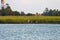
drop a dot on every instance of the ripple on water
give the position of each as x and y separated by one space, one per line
29 32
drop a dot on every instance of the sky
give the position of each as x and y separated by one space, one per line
33 6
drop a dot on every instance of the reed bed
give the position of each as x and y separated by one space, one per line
29 19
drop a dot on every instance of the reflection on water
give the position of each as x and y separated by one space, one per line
29 32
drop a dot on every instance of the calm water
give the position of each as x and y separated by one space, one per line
29 31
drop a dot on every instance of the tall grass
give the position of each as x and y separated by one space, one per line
29 19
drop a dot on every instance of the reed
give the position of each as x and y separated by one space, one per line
29 19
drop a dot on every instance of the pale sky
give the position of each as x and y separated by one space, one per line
33 6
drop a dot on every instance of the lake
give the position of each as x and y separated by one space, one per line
29 31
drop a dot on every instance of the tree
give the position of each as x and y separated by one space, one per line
16 13
22 13
29 14
8 10
51 12
46 12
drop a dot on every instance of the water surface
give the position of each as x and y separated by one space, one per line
29 31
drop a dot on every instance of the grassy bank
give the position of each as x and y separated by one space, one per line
29 19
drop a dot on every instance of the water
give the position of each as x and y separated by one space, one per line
29 31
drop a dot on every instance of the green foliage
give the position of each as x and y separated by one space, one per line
29 14
16 13
51 12
8 11
22 13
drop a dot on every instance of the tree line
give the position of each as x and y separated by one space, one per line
50 12
9 12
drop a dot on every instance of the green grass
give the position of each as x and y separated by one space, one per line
32 19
